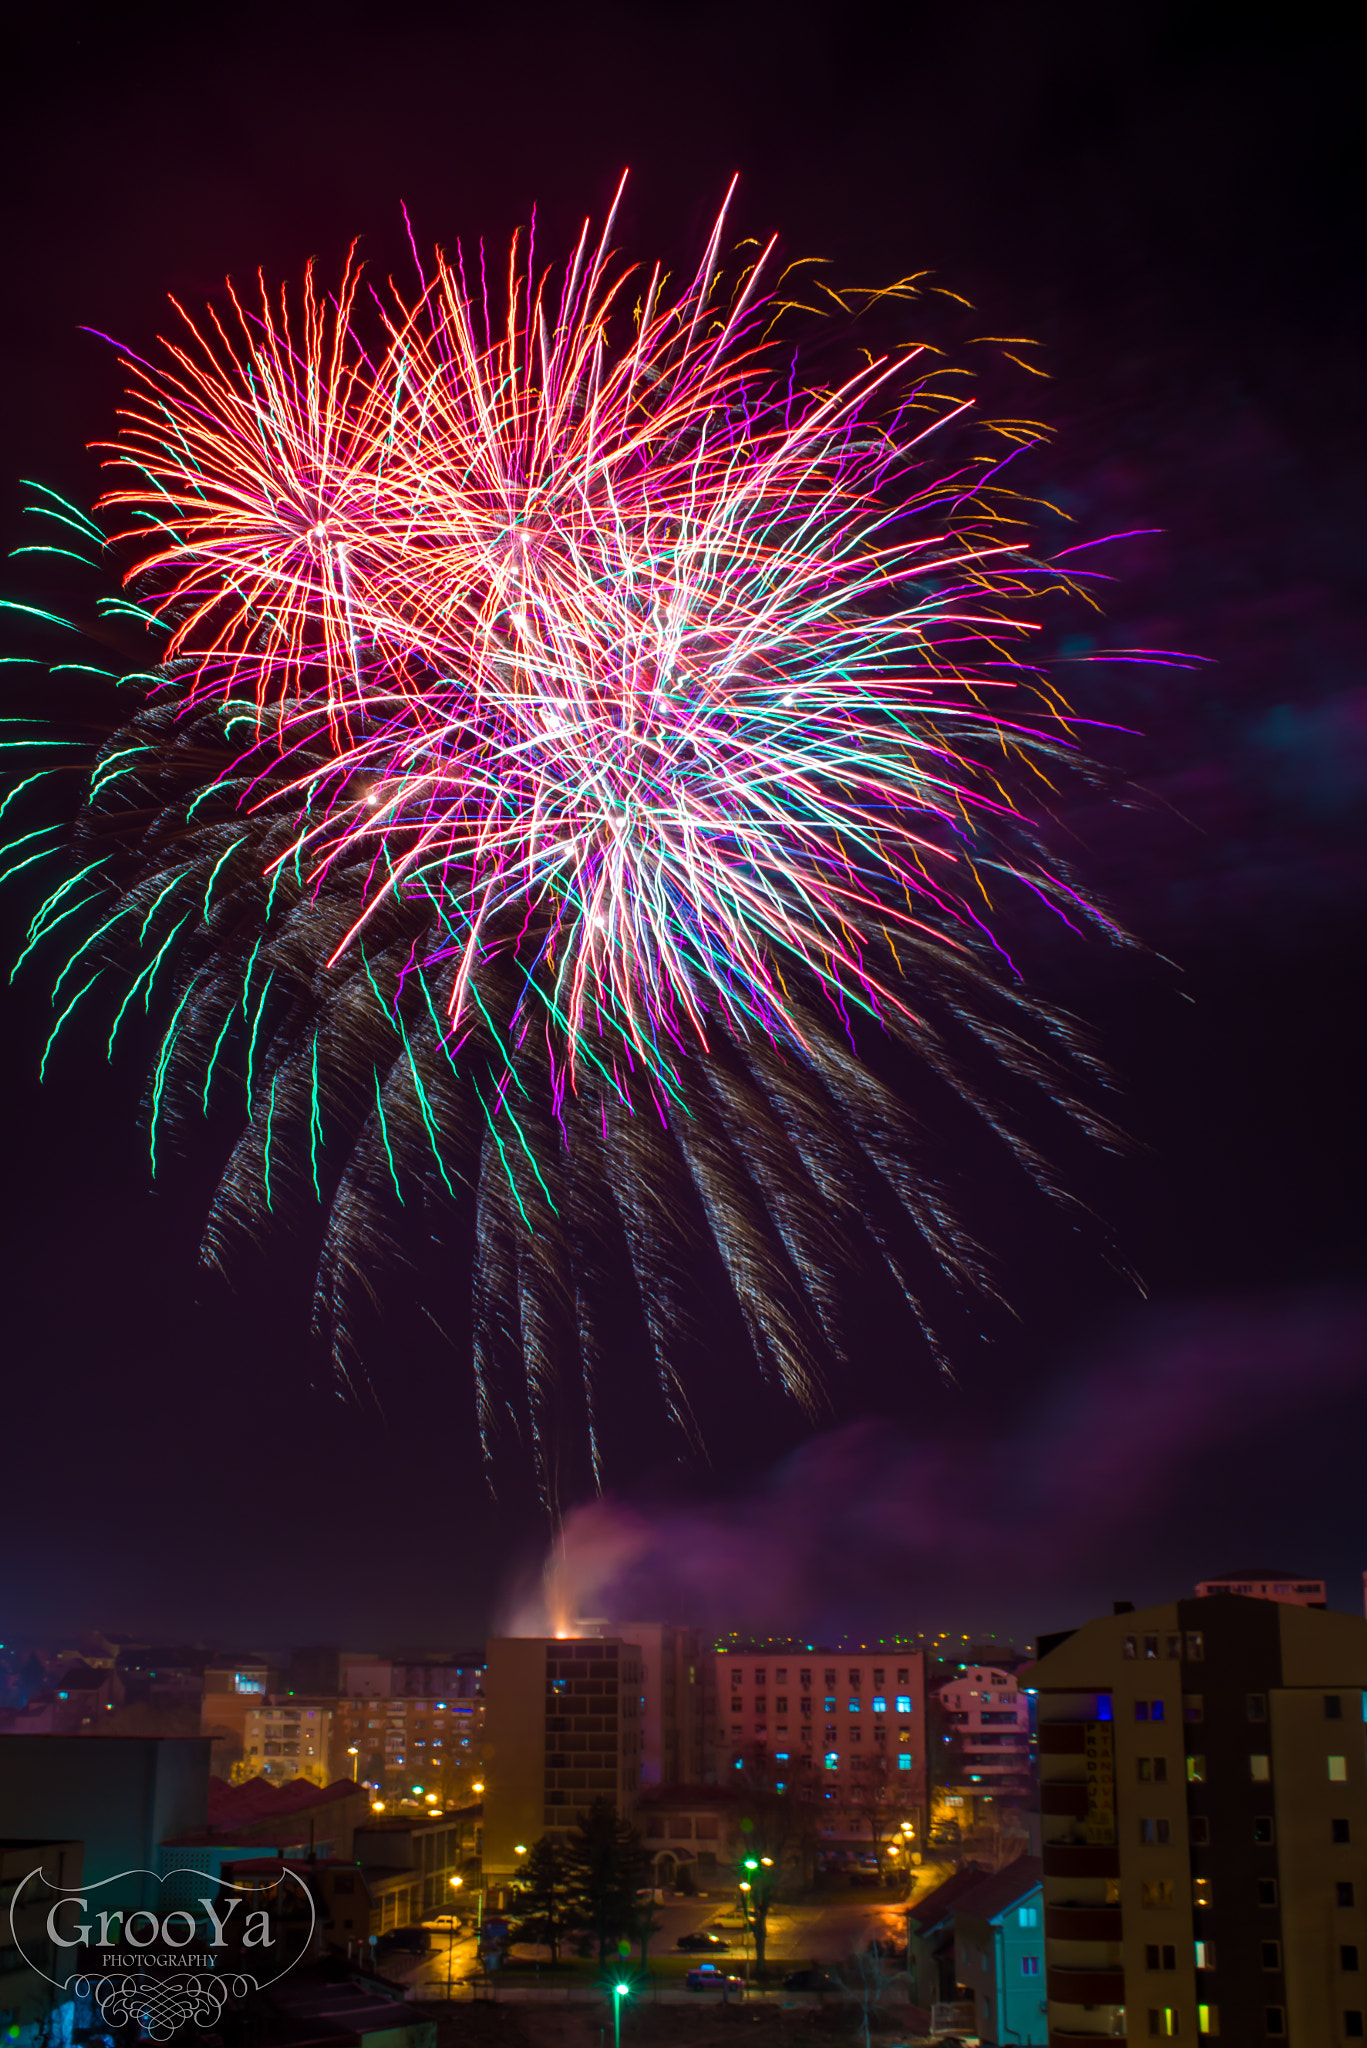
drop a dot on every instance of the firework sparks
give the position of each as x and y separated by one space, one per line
566 725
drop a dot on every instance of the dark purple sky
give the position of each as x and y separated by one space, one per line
1169 198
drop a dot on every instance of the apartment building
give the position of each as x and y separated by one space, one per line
675 1749
1204 1819
289 1738
857 1721
392 1743
991 1717
564 1727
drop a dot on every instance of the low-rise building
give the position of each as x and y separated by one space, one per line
930 1937
999 1954
430 1849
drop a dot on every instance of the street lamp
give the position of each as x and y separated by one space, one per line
619 1992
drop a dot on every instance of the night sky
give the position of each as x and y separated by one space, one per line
1169 200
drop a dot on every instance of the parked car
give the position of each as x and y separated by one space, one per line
707 1977
811 1980
451 1921
701 1939
732 1917
413 1941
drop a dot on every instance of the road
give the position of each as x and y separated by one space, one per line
825 1932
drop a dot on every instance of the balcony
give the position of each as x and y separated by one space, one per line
1066 1799
1082 1923
1086 1987
1062 1738
1081 1859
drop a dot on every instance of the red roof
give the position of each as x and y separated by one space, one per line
938 1904
998 1893
237 1806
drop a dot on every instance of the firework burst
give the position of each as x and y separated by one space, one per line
569 732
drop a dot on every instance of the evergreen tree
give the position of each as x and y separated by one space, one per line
545 1894
607 1863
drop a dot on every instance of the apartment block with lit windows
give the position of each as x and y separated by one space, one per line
854 1720
991 1716
392 1744
1203 1798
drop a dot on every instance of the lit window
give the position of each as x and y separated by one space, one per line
904 1762
1156 1891
878 1704
1162 2021
1260 1769
1150 1646
904 1703
1338 1770
832 1759
1205 1955
1207 2019
1028 1916
1196 1770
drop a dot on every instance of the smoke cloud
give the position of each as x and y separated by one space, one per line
1132 1476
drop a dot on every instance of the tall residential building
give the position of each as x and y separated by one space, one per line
858 1721
564 1727
1204 1817
674 1748
1262 1582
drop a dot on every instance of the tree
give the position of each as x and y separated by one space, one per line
545 1894
776 1820
646 1924
872 1800
607 1864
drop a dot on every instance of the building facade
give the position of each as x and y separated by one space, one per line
289 1738
1204 1822
857 1722
675 1744
999 1954
564 1728
991 1717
